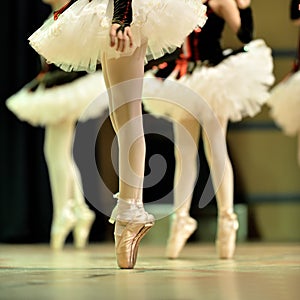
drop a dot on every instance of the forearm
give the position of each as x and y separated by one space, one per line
122 13
245 32
295 10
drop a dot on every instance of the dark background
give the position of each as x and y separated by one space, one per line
25 199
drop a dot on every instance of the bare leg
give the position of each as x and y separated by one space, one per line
227 221
124 77
107 83
84 215
186 134
69 207
58 142
224 194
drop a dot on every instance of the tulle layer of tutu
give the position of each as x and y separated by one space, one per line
76 100
235 88
173 100
284 103
79 37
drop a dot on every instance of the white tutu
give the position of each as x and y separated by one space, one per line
77 39
173 100
284 102
235 88
70 101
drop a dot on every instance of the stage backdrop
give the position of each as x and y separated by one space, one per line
25 196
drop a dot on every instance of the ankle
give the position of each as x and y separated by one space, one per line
128 199
129 210
64 211
182 214
227 213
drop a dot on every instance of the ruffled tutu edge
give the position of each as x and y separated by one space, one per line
85 25
284 103
69 101
236 88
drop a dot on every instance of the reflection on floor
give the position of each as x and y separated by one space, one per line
259 272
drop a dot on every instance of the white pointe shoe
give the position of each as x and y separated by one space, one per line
226 236
183 226
84 221
61 227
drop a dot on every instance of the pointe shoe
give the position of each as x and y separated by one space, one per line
182 228
127 239
61 227
84 221
129 233
226 236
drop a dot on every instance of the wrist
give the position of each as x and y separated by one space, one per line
122 13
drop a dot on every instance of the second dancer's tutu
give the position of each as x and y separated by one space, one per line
235 88
80 35
284 103
75 100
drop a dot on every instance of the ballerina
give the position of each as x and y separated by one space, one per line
122 35
233 89
284 100
56 100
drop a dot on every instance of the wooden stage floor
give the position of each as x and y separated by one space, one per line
259 272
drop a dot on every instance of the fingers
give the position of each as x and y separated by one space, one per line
120 39
129 36
113 34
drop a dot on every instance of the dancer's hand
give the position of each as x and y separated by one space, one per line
121 38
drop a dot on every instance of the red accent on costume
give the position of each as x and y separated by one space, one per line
60 11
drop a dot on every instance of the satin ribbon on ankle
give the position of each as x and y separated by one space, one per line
113 216
130 209
114 213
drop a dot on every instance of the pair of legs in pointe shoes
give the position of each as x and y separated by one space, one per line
70 212
186 154
124 79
